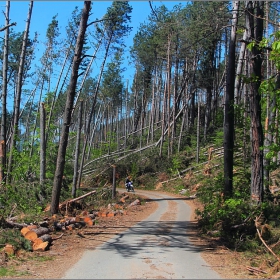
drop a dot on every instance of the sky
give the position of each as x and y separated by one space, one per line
43 11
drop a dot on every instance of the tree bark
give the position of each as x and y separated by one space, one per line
198 128
4 97
19 90
42 145
57 184
77 150
254 23
229 107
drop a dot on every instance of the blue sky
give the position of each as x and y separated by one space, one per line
43 11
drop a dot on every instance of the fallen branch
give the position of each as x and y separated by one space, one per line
135 202
274 245
254 269
13 224
67 202
78 198
262 240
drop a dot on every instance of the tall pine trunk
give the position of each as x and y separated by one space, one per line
77 150
19 90
3 135
254 23
60 163
42 145
229 107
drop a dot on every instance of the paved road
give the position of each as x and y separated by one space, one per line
155 248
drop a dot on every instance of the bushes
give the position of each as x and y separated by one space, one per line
233 219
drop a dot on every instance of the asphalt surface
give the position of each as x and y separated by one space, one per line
155 248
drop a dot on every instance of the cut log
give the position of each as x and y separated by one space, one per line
24 230
44 224
70 227
45 237
74 220
135 202
124 198
79 224
31 235
32 226
40 247
58 226
93 215
41 231
37 241
88 221
9 249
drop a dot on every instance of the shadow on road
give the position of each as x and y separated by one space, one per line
169 199
147 235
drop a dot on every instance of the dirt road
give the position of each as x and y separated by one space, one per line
155 248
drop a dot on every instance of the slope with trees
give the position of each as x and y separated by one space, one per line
202 107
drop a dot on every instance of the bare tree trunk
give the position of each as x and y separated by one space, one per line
168 93
198 128
42 145
245 115
96 120
77 150
3 136
229 107
19 90
240 63
150 136
163 116
114 182
55 93
126 117
57 184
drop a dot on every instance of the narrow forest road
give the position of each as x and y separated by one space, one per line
155 248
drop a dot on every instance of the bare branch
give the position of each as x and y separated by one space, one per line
98 20
153 10
7 26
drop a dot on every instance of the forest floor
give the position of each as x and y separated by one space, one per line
67 250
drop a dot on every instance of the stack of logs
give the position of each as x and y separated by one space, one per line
40 235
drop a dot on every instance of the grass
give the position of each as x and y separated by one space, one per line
10 271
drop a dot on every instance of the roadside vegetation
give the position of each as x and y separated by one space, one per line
200 118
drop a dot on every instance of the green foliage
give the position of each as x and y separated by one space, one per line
14 237
134 170
119 17
22 198
10 271
176 164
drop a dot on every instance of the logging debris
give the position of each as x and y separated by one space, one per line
41 235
